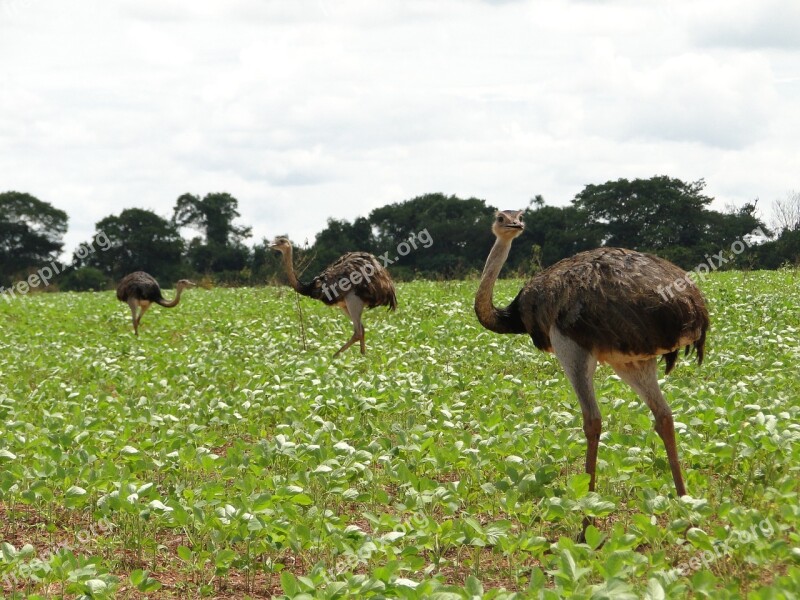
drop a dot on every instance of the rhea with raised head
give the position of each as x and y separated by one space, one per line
601 306
354 281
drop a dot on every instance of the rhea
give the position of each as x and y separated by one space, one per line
140 290
354 281
602 306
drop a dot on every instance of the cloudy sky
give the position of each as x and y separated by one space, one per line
310 109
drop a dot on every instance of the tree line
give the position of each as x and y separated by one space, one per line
662 215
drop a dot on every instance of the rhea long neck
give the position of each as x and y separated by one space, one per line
502 320
175 300
288 263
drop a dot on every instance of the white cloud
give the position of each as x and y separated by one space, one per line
339 106
750 25
693 98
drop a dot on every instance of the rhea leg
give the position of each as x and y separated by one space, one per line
354 306
143 306
642 376
579 366
133 303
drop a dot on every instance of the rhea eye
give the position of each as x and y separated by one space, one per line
499 219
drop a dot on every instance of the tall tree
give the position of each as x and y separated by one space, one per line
560 231
782 251
456 228
221 248
138 240
646 214
212 215
339 237
31 233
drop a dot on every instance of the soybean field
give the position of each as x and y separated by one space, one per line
224 454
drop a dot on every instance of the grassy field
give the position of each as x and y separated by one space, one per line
216 456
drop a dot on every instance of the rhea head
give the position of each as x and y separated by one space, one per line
508 224
281 244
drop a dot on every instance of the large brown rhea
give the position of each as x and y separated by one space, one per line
607 305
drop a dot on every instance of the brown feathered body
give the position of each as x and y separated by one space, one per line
359 273
139 286
618 304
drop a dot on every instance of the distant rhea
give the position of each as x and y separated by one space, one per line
140 290
354 281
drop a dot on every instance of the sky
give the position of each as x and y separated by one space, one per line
306 110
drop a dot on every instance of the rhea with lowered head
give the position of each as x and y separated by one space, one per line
139 290
602 305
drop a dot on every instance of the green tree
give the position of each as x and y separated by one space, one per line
339 237
83 280
560 231
31 234
221 246
665 216
782 251
139 240
459 231
213 215
646 214
725 228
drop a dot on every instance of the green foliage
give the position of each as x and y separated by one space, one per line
31 233
212 215
459 229
221 246
783 251
559 231
83 279
213 456
656 213
670 218
665 216
138 240
662 215
340 237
